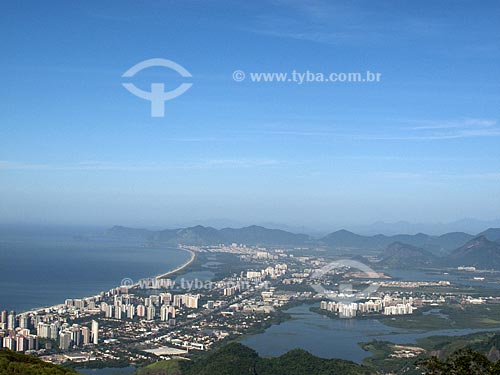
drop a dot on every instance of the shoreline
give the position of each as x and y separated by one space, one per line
181 267
160 276
164 275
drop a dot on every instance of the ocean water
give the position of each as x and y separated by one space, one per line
39 270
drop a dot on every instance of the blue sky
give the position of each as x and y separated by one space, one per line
421 145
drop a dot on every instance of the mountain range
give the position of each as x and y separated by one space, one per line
398 251
200 235
468 225
342 240
438 245
478 252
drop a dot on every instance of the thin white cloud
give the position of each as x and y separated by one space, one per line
418 131
467 123
153 167
329 22
438 176
454 129
431 137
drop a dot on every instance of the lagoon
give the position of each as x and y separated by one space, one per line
334 338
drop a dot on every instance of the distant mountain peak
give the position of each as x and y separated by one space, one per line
478 241
492 234
344 231
403 255
202 235
478 252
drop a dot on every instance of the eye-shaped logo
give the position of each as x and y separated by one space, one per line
346 293
157 95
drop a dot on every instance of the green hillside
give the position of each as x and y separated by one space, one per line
237 359
16 363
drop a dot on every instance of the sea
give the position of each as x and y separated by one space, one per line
44 266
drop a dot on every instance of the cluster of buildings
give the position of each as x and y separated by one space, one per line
399 309
233 248
350 310
80 325
162 305
275 272
74 324
410 284
25 331
16 332
20 340
250 277
466 268
386 305
266 303
75 335
128 306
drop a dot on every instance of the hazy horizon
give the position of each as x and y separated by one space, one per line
468 225
421 145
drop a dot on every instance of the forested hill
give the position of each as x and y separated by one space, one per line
237 359
16 363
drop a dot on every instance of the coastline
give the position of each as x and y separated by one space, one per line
181 267
160 276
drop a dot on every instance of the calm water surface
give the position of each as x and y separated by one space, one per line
333 338
38 271
108 371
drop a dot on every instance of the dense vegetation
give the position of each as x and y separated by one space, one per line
437 352
237 359
171 367
476 354
462 362
16 363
